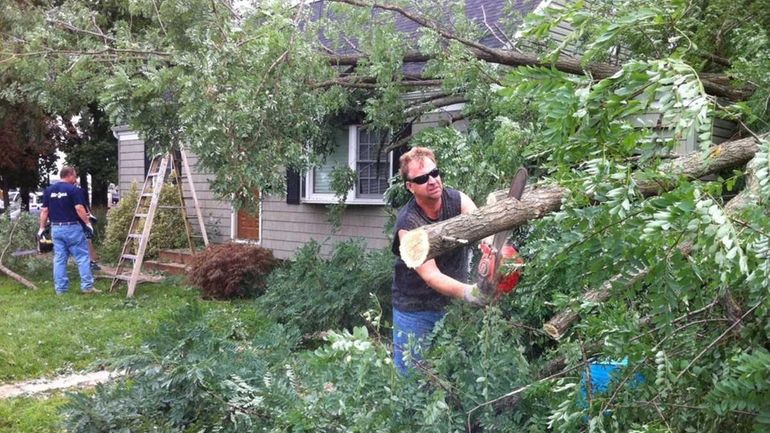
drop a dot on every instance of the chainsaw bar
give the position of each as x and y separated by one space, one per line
516 190
488 265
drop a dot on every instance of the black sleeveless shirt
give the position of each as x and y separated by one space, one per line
410 292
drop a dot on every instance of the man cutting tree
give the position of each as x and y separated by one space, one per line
420 295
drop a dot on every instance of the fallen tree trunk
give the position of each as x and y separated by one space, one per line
429 241
558 325
714 84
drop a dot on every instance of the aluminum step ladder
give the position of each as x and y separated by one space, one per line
148 204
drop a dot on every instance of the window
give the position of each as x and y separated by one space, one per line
357 148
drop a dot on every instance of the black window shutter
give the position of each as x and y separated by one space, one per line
400 150
293 180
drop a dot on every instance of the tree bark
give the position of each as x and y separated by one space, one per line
28 284
714 84
560 323
84 186
5 188
427 242
99 193
24 192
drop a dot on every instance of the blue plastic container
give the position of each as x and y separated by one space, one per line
602 374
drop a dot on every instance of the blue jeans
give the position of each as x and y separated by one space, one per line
410 330
70 240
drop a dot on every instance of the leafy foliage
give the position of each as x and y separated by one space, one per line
167 229
24 238
228 271
314 293
24 233
213 372
343 179
252 95
199 371
745 386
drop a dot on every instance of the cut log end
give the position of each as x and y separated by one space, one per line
414 247
552 331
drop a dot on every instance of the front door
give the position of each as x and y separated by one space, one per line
247 225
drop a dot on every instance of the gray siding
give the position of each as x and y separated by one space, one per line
130 164
216 213
722 130
287 227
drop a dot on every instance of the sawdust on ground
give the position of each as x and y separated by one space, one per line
43 385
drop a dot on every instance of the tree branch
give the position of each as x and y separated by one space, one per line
429 241
73 29
370 83
419 20
714 84
557 326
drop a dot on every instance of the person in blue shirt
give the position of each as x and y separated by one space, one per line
63 204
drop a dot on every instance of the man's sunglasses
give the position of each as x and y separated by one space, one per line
419 180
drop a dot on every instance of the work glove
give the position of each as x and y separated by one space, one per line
40 232
90 229
474 296
92 218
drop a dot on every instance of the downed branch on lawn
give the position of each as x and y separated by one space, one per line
9 272
427 242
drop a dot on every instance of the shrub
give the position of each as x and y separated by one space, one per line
317 294
228 271
24 235
168 230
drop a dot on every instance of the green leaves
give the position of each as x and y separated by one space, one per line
316 294
745 386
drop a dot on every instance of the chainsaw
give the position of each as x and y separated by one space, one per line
45 242
500 266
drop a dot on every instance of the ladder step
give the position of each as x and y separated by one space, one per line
140 215
153 174
169 207
129 256
147 194
134 236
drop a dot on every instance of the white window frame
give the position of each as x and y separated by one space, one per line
318 198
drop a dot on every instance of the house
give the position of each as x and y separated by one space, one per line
284 224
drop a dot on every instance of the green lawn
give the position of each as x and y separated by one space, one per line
44 335
30 414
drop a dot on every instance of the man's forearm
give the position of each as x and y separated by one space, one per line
43 217
81 210
447 285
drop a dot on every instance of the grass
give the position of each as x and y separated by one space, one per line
44 335
31 414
